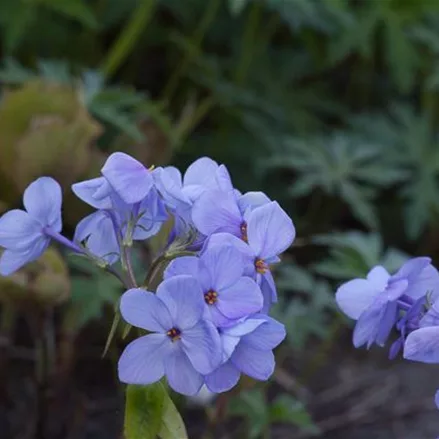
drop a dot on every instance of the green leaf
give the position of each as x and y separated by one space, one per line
287 409
75 9
150 412
172 424
237 6
144 409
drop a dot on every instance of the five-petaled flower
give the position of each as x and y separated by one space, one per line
183 346
228 294
25 234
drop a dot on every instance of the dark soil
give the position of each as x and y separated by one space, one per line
352 395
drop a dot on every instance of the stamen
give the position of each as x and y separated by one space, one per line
211 297
174 334
261 266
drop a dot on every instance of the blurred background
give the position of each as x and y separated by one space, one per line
329 106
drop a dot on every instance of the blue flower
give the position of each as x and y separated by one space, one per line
122 174
269 232
375 302
182 345
423 344
247 348
104 230
25 234
179 193
228 295
226 211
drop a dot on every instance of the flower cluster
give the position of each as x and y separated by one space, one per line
407 301
207 322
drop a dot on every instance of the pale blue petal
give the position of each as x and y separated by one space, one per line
412 268
268 289
436 399
142 361
253 362
228 345
219 239
224 264
240 299
169 183
12 260
42 199
270 230
184 299
216 212
251 200
18 230
128 177
201 173
223 379
145 310
181 375
426 282
224 181
378 277
266 336
202 345
423 345
367 325
184 265
356 296
98 231
95 192
245 327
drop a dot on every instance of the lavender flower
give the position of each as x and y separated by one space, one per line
105 229
247 348
180 192
182 345
269 232
227 294
122 174
25 234
226 211
375 302
423 343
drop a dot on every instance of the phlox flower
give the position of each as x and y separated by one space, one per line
180 192
122 174
182 345
25 234
375 302
227 294
269 232
423 343
248 349
104 229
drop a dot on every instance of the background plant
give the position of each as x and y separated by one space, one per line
330 106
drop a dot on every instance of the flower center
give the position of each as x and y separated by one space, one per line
244 236
261 266
174 334
211 297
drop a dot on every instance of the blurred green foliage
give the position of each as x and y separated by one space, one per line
330 106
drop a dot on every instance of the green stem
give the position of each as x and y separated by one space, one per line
248 42
127 266
128 37
212 7
189 123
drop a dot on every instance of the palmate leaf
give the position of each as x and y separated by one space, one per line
353 254
408 142
308 313
342 165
